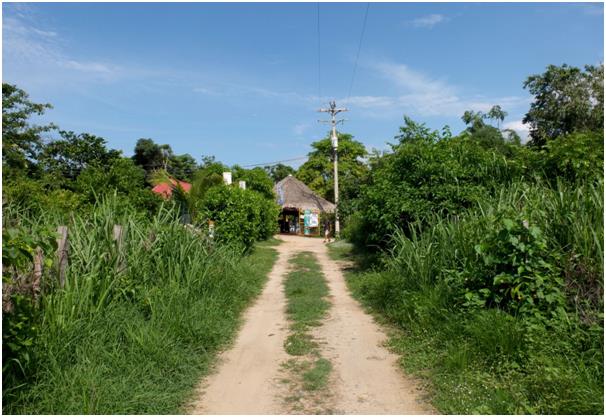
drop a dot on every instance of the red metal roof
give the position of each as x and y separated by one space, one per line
165 189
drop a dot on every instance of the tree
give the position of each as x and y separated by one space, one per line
427 173
566 99
475 121
279 171
65 158
317 171
21 141
257 179
182 166
151 156
208 176
488 136
122 177
413 131
497 114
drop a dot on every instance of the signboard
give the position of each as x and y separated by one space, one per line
306 218
310 220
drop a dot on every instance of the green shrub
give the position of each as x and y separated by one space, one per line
519 273
577 157
423 177
20 308
240 216
122 178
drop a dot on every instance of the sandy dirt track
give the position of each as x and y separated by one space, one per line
365 378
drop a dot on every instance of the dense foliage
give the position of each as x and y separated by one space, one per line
151 156
566 99
426 172
317 171
489 254
239 215
127 321
130 316
279 171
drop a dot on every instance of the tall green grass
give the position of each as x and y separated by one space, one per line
134 340
487 360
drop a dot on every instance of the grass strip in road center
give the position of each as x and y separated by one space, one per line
306 292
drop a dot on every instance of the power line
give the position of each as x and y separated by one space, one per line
353 75
319 57
274 163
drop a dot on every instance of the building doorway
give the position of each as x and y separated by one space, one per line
289 221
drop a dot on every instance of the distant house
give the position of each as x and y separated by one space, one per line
165 190
302 209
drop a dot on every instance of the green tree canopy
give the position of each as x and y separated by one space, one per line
566 99
486 134
182 166
65 158
152 156
257 179
21 140
317 171
279 171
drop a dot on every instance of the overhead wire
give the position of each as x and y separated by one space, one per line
319 56
353 75
275 162
319 92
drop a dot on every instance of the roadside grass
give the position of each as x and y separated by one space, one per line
340 250
138 342
306 293
482 362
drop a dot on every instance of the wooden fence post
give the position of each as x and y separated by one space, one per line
62 253
37 278
119 238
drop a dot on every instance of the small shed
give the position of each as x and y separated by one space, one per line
303 211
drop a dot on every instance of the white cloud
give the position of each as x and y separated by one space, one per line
41 53
97 67
428 21
206 91
519 127
367 102
419 94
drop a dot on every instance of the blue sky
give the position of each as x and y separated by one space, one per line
240 80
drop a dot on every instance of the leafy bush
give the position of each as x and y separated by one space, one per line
424 176
519 274
577 157
123 178
19 298
240 216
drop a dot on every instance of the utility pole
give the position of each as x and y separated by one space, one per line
333 111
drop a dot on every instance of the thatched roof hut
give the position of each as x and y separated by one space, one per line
293 194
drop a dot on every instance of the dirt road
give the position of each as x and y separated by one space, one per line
365 378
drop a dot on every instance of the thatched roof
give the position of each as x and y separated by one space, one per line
292 193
